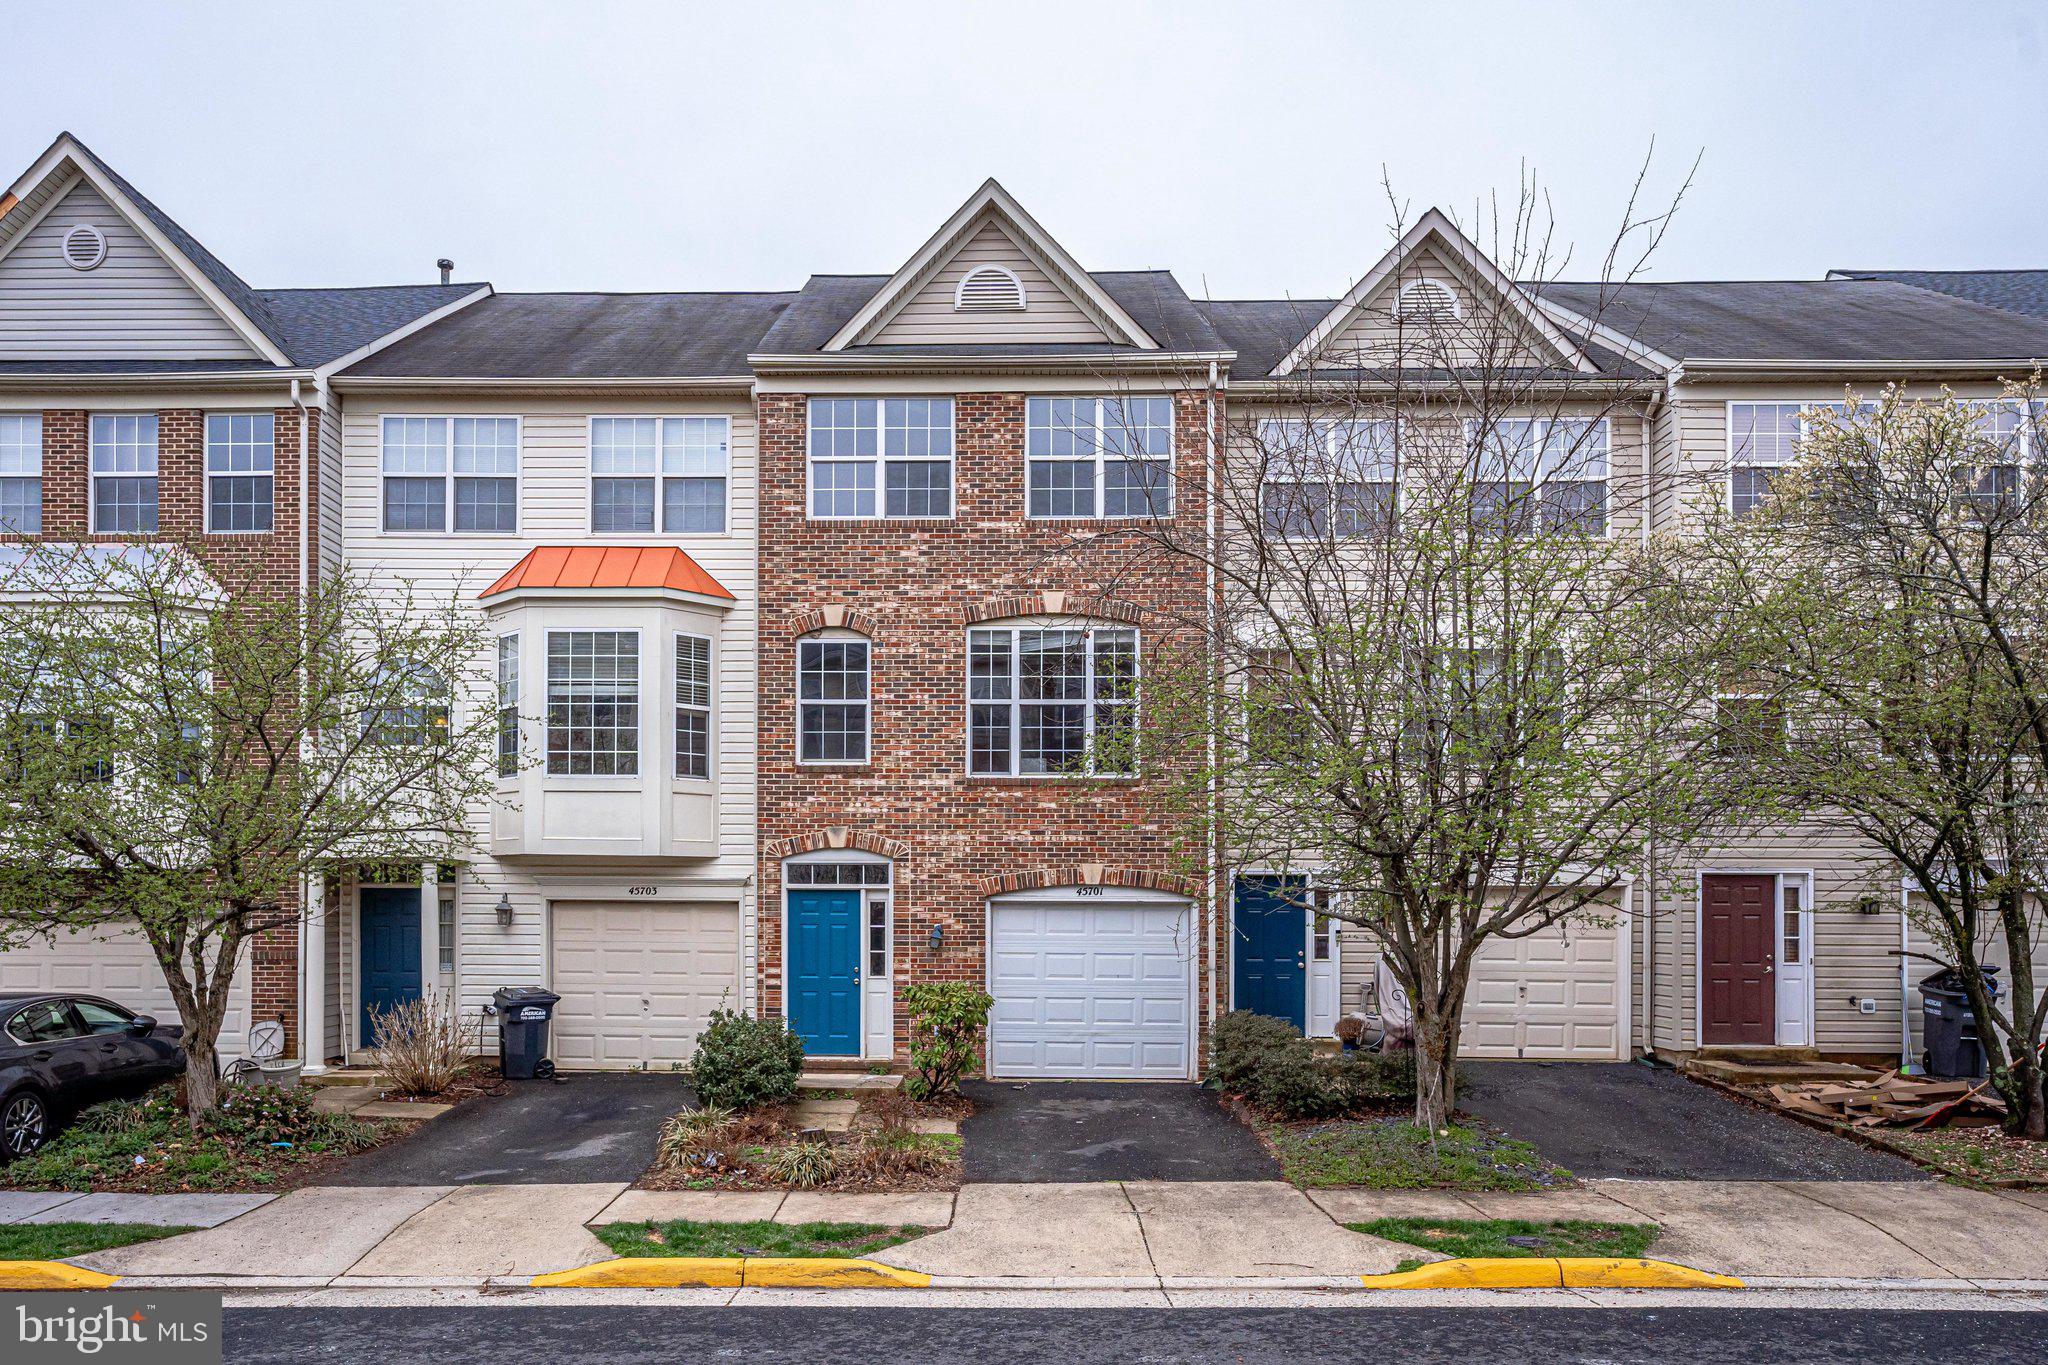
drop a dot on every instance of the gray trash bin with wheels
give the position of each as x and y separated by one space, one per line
523 1015
1949 1026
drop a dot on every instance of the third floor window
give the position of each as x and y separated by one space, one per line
881 457
124 474
451 474
240 470
1098 457
671 470
21 474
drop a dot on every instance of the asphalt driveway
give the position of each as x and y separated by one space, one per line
1070 1131
580 1129
1635 1122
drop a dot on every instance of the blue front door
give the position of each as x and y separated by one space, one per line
824 971
1269 935
388 925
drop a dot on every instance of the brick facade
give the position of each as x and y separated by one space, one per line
256 567
913 587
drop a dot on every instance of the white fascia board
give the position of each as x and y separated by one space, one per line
1624 345
993 199
513 597
1433 224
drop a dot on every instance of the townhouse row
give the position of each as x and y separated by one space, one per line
819 638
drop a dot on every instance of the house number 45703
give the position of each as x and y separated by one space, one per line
643 890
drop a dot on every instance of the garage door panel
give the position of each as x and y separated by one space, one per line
638 982
1549 996
1092 990
119 965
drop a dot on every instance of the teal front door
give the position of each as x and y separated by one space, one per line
824 971
388 930
1269 936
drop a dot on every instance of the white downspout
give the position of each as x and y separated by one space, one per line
312 953
1649 878
1215 705
1907 1063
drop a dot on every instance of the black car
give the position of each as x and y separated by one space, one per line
60 1053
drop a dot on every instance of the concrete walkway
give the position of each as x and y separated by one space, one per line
156 1210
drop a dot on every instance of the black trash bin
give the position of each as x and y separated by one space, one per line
523 1015
1949 1025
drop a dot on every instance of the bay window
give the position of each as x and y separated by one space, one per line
880 457
1052 701
451 473
508 705
1098 457
693 706
677 464
593 703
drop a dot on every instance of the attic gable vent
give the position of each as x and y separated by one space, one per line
989 289
84 247
1427 301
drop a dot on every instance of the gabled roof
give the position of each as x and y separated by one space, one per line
1845 320
1436 230
652 568
2016 291
991 203
585 336
286 327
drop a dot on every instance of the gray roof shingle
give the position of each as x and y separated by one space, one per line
585 336
2016 291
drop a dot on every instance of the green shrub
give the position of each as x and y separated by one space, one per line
742 1062
1378 1077
1239 1041
946 1021
802 1165
265 1114
1293 1083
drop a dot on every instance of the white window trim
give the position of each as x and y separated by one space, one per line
1330 465
207 473
881 460
1016 702
867 704
591 476
1606 426
449 476
93 476
640 692
1100 457
710 707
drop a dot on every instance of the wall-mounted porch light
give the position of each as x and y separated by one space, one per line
938 937
504 910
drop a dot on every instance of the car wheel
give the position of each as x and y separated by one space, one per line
24 1124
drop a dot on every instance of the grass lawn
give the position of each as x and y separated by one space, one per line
259 1139
751 1239
55 1241
1393 1154
1491 1236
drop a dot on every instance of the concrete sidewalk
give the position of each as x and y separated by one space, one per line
157 1210
1113 1233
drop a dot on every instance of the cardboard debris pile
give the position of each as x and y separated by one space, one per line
1895 1100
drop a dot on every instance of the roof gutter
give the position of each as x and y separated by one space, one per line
841 363
373 383
1735 367
232 381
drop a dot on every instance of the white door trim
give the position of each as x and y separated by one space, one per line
1333 971
1781 876
863 893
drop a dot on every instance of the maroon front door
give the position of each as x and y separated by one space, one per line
1738 933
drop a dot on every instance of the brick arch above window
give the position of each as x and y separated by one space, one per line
837 837
833 616
1051 602
1083 874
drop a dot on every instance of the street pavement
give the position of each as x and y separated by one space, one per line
630 1335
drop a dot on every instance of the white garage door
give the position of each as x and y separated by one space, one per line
1088 988
119 966
638 982
1552 995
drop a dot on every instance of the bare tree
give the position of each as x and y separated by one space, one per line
1894 593
181 754
1442 662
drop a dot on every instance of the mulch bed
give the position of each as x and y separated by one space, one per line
758 1133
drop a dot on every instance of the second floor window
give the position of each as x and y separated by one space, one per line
881 457
693 706
832 701
451 474
124 474
1762 439
1547 473
1098 457
240 470
670 469
593 703
1322 479
21 474
1047 702
508 705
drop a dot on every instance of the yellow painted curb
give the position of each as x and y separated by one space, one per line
51 1275
1551 1272
731 1272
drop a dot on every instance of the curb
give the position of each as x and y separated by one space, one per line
51 1275
733 1272
1551 1272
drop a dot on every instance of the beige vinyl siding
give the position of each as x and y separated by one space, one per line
1050 315
328 503
1373 331
555 510
133 306
1991 950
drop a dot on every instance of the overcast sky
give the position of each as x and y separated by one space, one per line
742 146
